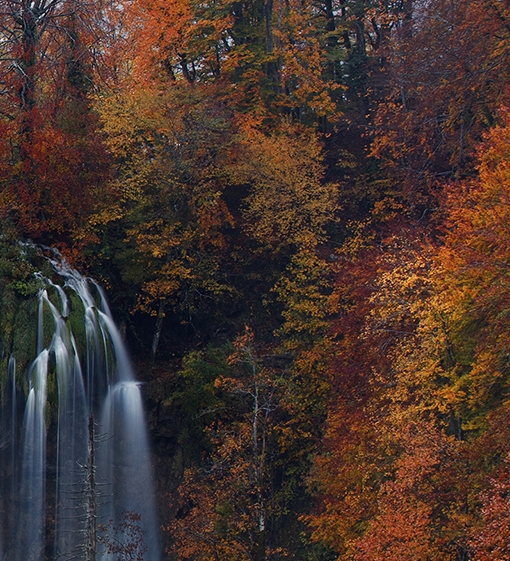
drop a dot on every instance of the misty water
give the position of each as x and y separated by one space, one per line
75 460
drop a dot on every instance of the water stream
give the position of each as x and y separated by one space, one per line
75 456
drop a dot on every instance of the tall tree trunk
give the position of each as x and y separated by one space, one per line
26 66
158 328
272 65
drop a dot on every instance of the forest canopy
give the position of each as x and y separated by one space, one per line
301 212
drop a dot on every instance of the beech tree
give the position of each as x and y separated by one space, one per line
231 506
170 150
445 84
490 541
43 52
46 70
288 202
422 382
251 51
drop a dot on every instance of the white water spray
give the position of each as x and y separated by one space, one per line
84 409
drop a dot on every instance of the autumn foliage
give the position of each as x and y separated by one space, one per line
302 212
423 429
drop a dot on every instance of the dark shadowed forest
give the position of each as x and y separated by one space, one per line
300 212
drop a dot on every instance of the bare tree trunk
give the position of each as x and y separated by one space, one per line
158 328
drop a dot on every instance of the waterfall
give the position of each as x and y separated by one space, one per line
75 461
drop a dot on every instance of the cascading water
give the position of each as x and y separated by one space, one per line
79 483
